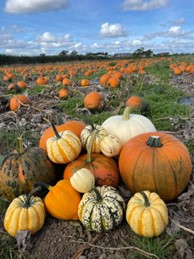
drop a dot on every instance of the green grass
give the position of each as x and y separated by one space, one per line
162 246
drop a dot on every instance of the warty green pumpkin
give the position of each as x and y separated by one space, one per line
21 169
101 209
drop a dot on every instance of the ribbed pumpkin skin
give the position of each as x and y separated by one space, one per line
18 217
75 126
129 127
147 221
19 172
101 213
86 135
104 168
62 201
165 170
65 149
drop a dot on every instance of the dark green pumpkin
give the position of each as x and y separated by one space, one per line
21 169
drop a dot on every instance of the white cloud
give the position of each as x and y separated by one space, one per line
33 6
112 30
46 37
175 30
141 5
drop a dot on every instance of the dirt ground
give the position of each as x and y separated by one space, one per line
68 239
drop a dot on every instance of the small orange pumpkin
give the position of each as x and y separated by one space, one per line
63 93
93 100
17 100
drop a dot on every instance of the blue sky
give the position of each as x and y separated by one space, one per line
32 27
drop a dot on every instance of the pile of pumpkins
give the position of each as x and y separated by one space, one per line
155 166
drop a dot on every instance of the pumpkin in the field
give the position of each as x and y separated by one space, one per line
127 125
157 162
26 212
62 200
110 145
64 147
147 214
93 101
73 125
105 169
137 103
101 209
20 170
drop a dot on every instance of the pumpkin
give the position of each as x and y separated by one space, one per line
17 100
113 82
101 209
21 169
66 82
42 81
62 200
104 79
75 126
26 212
105 169
137 103
85 82
63 93
147 214
93 101
86 135
22 84
127 125
82 180
110 145
157 162
64 147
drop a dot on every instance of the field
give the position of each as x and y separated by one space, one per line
166 84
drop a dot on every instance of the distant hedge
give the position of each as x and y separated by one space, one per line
10 60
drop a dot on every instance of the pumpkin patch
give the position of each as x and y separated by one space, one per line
112 153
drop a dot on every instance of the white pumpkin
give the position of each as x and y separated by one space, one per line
82 180
128 125
110 145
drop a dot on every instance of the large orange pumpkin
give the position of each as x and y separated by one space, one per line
75 126
157 162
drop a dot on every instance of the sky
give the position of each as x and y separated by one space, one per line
34 27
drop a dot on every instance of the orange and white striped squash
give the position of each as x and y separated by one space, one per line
64 147
147 214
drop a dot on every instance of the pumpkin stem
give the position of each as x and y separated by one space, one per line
147 203
55 130
98 195
154 141
29 196
126 113
19 147
90 146
43 185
